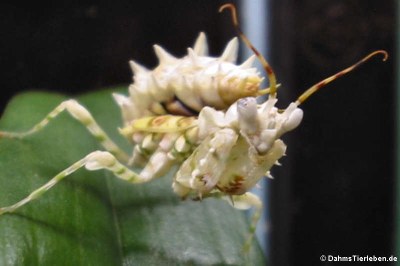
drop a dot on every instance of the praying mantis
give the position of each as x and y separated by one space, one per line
198 116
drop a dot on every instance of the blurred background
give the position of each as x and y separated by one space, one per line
335 193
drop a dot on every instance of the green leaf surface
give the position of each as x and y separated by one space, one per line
92 218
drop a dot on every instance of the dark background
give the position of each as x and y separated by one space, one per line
334 194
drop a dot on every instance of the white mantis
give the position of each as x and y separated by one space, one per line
198 113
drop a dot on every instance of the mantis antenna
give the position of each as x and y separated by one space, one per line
304 96
268 69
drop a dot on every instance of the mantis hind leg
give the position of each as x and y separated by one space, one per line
245 201
96 160
81 114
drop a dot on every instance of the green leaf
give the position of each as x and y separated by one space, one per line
92 218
